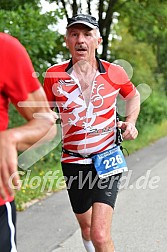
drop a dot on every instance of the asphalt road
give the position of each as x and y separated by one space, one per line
139 222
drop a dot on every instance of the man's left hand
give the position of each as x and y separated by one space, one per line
130 131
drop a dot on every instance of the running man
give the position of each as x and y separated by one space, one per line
85 89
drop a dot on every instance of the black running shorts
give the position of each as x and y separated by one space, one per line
85 187
7 227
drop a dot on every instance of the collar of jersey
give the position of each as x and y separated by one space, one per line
101 68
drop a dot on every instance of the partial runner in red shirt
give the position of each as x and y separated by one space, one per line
17 83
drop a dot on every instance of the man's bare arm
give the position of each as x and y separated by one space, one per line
132 112
40 120
22 137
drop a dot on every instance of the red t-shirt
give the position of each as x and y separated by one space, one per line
16 78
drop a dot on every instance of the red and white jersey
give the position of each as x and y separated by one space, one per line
87 129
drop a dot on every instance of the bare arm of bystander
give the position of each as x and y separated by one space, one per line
20 138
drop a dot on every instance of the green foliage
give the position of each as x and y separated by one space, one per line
148 135
44 177
153 110
15 118
15 4
35 31
144 63
37 182
140 56
147 21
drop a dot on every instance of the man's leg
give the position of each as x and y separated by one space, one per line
80 197
101 227
95 222
96 227
84 221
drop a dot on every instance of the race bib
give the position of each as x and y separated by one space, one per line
109 162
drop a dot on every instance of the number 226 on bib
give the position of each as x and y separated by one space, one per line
110 162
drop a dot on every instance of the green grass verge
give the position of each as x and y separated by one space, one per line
42 179
46 175
149 134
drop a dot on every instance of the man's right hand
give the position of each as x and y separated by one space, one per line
8 163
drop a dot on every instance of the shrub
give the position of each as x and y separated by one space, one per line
153 110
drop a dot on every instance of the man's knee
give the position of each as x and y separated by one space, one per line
99 237
85 229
